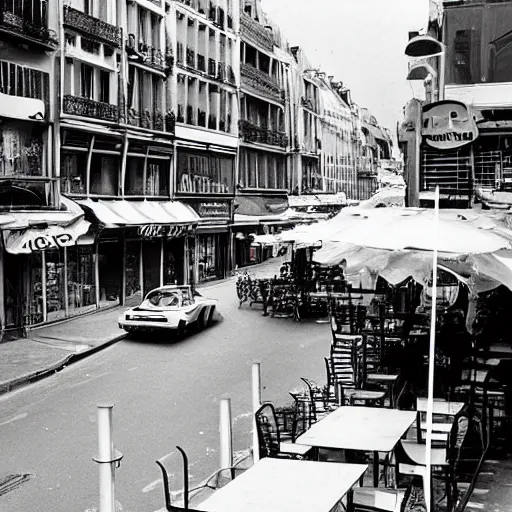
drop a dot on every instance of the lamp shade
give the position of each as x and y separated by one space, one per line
423 46
420 71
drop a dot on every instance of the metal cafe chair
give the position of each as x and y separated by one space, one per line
269 436
411 458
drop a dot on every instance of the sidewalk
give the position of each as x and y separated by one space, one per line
50 348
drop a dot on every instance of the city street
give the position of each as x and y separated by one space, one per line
165 394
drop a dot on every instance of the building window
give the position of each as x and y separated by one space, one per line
80 273
104 174
73 173
134 184
205 174
157 178
87 82
105 86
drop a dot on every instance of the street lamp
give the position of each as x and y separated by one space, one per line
426 47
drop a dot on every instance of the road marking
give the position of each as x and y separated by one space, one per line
86 381
153 485
16 418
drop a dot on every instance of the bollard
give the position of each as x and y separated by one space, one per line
226 437
256 404
107 458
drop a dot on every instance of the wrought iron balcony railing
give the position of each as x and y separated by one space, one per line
262 83
85 107
150 120
250 132
145 54
93 27
256 33
28 21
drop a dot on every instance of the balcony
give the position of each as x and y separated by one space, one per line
250 132
78 106
145 54
261 83
255 33
28 24
92 27
149 120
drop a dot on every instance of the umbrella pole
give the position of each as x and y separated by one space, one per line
427 482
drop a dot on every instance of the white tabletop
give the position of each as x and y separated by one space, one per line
441 407
359 428
284 485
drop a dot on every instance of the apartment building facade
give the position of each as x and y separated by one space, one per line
204 94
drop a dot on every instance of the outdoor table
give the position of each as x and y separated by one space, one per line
284 485
364 429
441 407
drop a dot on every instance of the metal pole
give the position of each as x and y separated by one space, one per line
105 456
442 66
256 403
431 361
226 437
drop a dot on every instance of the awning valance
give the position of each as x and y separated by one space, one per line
25 232
114 213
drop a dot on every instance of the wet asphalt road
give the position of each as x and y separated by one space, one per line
166 393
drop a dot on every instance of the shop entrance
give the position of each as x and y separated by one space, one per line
151 253
110 256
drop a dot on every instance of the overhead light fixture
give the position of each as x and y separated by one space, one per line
424 46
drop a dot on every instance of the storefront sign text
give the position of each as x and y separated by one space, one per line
161 231
448 125
215 210
42 242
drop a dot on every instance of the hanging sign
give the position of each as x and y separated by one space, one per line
448 125
162 231
213 210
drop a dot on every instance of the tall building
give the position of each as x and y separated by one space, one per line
464 144
34 219
205 97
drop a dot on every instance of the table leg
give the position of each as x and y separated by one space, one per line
350 500
376 469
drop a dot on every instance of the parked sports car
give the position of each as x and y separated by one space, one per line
169 308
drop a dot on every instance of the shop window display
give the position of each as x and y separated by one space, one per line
206 259
81 289
34 292
55 283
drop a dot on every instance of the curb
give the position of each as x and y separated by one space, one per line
29 378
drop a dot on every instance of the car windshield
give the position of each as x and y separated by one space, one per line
173 298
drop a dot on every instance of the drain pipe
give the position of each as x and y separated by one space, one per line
108 458
256 403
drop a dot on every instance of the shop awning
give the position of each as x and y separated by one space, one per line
376 132
317 200
25 232
113 213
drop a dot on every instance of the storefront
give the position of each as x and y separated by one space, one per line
47 272
209 249
150 240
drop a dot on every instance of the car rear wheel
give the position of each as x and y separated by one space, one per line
210 316
201 320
